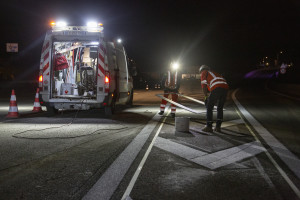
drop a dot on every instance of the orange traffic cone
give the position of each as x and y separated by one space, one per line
36 104
13 108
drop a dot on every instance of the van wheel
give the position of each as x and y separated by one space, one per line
110 110
51 110
130 101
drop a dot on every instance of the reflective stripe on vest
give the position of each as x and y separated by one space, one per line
216 80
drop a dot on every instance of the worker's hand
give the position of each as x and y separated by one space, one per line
205 100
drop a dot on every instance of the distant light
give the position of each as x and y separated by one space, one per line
266 57
119 40
61 24
94 43
175 65
52 23
281 51
92 24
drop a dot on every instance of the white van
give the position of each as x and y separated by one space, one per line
80 70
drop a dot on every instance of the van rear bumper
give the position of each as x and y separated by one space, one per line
76 104
83 104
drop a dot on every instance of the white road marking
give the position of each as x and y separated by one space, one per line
175 148
229 156
280 94
128 198
212 160
105 187
263 174
178 149
286 156
139 169
232 123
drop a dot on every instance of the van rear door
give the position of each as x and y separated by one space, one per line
123 72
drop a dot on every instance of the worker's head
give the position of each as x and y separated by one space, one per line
203 67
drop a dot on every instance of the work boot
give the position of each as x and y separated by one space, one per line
161 113
217 129
173 115
218 124
207 129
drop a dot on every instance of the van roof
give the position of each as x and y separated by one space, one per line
96 29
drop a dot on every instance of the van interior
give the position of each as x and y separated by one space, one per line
74 69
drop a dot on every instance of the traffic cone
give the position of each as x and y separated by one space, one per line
36 104
13 108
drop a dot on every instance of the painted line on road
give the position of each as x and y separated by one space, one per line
232 123
105 187
128 198
229 156
211 160
283 95
279 93
265 176
178 149
139 169
288 158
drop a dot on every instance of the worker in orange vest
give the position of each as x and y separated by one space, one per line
171 83
217 86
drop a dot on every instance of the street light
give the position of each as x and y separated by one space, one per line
175 65
91 24
61 24
119 40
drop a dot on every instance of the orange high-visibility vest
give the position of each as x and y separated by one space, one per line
212 80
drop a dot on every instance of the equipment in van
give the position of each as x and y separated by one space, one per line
81 69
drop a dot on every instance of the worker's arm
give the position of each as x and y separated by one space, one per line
205 91
204 84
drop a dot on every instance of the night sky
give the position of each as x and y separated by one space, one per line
230 36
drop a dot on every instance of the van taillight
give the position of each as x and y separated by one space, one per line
106 79
41 81
106 82
41 78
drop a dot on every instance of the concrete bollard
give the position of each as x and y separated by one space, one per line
182 124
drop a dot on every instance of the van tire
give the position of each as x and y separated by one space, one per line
51 110
130 101
110 110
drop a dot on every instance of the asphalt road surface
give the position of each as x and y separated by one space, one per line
138 154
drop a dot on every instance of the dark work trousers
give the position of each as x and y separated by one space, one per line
218 95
